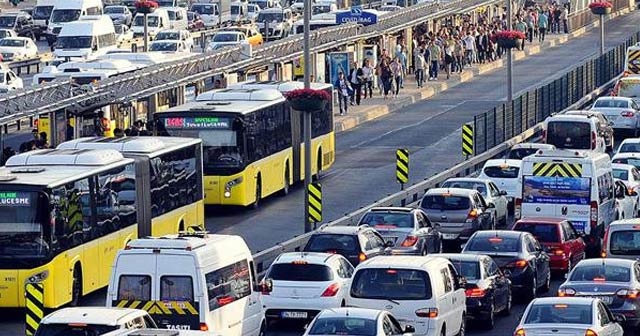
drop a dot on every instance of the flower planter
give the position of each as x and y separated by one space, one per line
509 43
307 104
601 10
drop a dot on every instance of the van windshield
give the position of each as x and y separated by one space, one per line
7 21
300 272
203 9
65 15
630 89
569 134
42 12
625 242
67 330
393 284
74 42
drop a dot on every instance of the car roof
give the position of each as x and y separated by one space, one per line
628 221
500 162
583 112
342 229
364 313
631 140
622 166
17 38
532 145
453 191
392 209
463 256
565 299
93 315
499 233
309 257
614 98
541 220
570 117
606 261
409 262
467 179
626 155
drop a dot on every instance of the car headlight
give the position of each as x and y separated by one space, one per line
38 277
231 184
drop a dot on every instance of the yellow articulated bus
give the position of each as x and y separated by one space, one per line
64 214
252 142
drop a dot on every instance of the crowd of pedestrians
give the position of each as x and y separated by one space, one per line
440 54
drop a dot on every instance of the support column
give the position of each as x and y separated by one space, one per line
408 42
152 106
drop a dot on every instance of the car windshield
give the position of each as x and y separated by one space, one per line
191 16
225 37
21 233
119 29
114 10
629 147
388 219
203 9
7 21
269 17
163 46
521 153
300 271
625 242
152 21
545 233
560 313
72 330
601 272
470 270
168 36
12 43
620 103
630 161
352 326
74 42
486 243
445 202
390 283
42 12
235 10
501 171
332 243
172 15
621 174
569 134
65 15
472 185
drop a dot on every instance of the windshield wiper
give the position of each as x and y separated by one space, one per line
393 301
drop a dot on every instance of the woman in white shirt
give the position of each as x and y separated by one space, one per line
368 72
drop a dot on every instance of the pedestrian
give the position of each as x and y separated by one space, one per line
557 19
435 55
396 73
69 131
368 73
521 27
448 57
459 54
343 88
419 64
42 141
543 23
469 47
564 16
530 21
356 79
385 77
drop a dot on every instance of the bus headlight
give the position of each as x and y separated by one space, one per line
38 277
231 184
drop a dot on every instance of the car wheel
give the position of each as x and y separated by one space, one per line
507 309
463 326
547 283
490 322
533 290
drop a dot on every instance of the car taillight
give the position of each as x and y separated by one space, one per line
628 114
517 208
566 292
590 332
594 215
427 312
558 252
409 241
520 263
473 214
603 254
593 140
332 290
519 332
628 293
475 292
362 257
204 327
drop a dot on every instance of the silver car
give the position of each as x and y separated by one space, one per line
408 229
119 14
568 316
488 190
622 112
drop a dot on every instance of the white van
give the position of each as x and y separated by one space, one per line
628 87
41 15
156 21
87 38
573 132
191 281
177 18
208 13
423 292
622 240
93 321
238 11
68 11
574 185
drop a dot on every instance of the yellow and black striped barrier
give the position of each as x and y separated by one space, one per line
34 296
633 61
402 165
160 307
467 139
557 169
315 202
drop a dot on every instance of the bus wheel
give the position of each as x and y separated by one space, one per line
256 204
285 187
76 286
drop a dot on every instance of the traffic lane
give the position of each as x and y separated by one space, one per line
504 325
365 161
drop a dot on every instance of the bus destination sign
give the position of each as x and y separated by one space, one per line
198 122
14 199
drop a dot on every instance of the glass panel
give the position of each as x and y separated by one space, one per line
560 314
134 287
176 288
300 272
228 284
394 284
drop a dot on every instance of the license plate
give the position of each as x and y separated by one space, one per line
391 239
449 236
605 299
294 315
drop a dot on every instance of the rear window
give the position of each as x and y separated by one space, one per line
629 148
601 273
521 153
493 244
560 314
394 284
569 134
625 242
620 103
67 330
545 233
621 174
502 172
300 272
176 288
468 269
441 202
630 161
134 287
332 243
388 219
629 88
480 187
344 326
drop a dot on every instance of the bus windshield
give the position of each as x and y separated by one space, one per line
21 232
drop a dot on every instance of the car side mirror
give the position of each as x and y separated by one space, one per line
619 318
490 205
502 193
389 244
266 286
462 282
409 329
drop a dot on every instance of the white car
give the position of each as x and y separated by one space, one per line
622 112
630 145
177 35
224 39
93 321
522 150
488 190
630 158
168 46
568 316
252 12
17 48
629 175
123 33
626 201
9 81
356 321
5 33
504 173
304 283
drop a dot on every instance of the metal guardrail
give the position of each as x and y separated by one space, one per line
26 65
414 193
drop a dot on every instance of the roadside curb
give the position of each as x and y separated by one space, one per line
433 89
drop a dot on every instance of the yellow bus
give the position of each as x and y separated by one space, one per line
64 214
252 142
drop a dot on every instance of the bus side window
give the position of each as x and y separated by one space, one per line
116 199
71 209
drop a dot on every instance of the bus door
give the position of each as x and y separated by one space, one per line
296 136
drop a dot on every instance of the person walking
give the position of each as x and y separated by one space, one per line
357 79
564 16
396 73
435 55
419 64
448 57
385 77
530 21
543 23
469 47
343 88
368 72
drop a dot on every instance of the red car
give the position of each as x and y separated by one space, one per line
560 239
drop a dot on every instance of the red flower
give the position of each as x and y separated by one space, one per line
508 35
307 94
146 4
600 4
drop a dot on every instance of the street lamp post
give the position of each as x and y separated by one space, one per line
601 34
308 226
146 32
509 58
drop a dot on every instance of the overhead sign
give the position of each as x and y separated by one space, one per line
198 122
356 15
